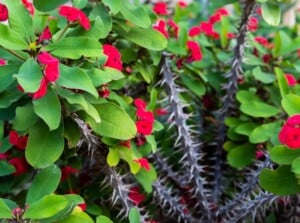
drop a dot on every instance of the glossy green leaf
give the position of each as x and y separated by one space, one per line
48 108
103 219
46 207
6 168
263 132
146 178
244 96
259 109
5 211
76 47
79 3
283 155
41 184
263 77
101 11
280 181
11 39
71 132
291 104
30 75
6 75
282 82
271 13
114 5
245 128
137 15
113 158
115 123
44 147
25 118
241 156
147 38
194 84
77 217
134 216
296 166
20 20
104 76
9 96
76 78
46 6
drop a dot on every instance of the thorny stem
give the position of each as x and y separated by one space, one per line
228 101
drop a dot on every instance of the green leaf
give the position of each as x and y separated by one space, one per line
46 207
20 20
78 217
259 109
76 78
271 13
71 132
128 155
283 155
113 5
245 128
113 158
296 166
147 38
134 216
6 168
282 82
137 15
103 219
115 123
291 104
151 140
146 178
265 78
79 3
41 184
30 75
6 75
194 84
48 108
10 39
280 181
244 96
75 47
263 132
101 11
104 76
8 97
46 6
25 118
5 212
241 156
44 147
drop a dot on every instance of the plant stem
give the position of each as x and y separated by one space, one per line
63 32
15 54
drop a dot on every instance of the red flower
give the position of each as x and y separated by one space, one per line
194 31
182 4
73 14
195 50
42 91
3 13
3 156
140 140
143 162
83 206
174 27
66 172
291 79
2 62
135 196
290 132
126 143
208 29
231 35
145 115
29 6
252 24
259 154
139 103
51 70
160 26
160 8
104 92
20 165
267 58
114 57
46 35
161 112
19 142
144 127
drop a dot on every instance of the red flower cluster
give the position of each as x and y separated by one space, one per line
145 121
3 13
194 48
160 8
20 165
46 35
29 6
161 26
18 141
291 80
252 24
114 57
290 132
136 196
264 42
217 16
143 162
73 14
51 69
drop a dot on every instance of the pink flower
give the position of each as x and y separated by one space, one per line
46 35
51 70
3 12
291 79
20 165
145 115
194 31
290 132
143 162
113 57
160 26
73 14
136 196
195 50
139 103
29 6
42 91
18 141
144 127
259 154
252 24
160 8
2 62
